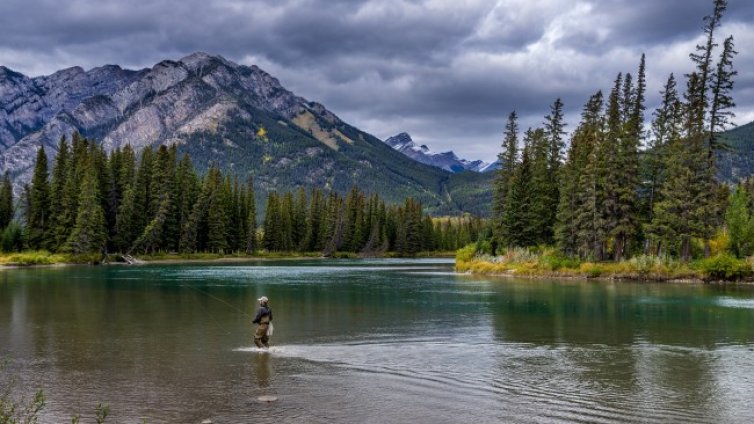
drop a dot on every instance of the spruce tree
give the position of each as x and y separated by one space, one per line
89 235
273 231
519 219
554 131
740 223
588 215
251 220
722 85
38 221
507 159
217 217
6 201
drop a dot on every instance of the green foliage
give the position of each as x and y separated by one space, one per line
554 262
466 253
740 222
90 234
38 214
725 267
608 203
6 201
15 409
12 238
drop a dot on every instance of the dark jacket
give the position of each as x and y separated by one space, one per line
263 311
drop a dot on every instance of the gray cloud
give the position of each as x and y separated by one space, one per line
448 72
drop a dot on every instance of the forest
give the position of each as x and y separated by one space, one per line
96 203
622 190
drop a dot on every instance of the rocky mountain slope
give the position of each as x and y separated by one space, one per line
237 117
446 160
737 161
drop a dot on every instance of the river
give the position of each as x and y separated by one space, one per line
374 341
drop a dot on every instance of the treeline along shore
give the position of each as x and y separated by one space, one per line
625 200
93 204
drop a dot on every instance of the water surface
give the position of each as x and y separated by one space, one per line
375 341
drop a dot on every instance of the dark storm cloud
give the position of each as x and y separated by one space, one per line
448 72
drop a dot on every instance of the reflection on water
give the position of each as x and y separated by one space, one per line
376 341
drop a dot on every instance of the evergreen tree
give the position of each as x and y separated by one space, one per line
251 220
542 207
507 159
6 201
666 126
217 218
89 234
273 230
519 219
299 222
740 223
554 128
38 221
722 85
314 222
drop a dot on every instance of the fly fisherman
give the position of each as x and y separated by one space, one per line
263 318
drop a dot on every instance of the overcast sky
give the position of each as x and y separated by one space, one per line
446 71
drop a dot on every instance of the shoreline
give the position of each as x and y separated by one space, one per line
45 259
695 277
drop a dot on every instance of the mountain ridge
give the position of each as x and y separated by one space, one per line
448 161
234 116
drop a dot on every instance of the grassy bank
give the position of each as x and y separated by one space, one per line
524 263
42 257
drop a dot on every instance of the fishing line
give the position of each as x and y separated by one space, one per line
211 317
220 300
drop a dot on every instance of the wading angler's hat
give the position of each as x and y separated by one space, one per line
262 299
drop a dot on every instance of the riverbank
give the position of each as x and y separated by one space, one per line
521 263
44 258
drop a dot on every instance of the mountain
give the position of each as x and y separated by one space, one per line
737 161
446 160
237 117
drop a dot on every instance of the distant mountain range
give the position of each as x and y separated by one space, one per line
737 161
237 117
446 160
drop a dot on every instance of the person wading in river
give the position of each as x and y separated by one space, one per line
263 318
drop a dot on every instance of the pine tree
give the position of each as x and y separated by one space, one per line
143 190
299 230
507 159
666 126
89 234
740 223
38 220
589 221
519 219
6 201
702 58
251 220
542 206
314 222
554 128
57 184
217 217
722 85
273 231
625 219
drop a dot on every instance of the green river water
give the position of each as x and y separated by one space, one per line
374 341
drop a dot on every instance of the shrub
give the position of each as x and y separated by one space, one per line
724 267
555 262
466 253
13 238
591 270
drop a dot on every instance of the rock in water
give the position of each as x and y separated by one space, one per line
267 398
